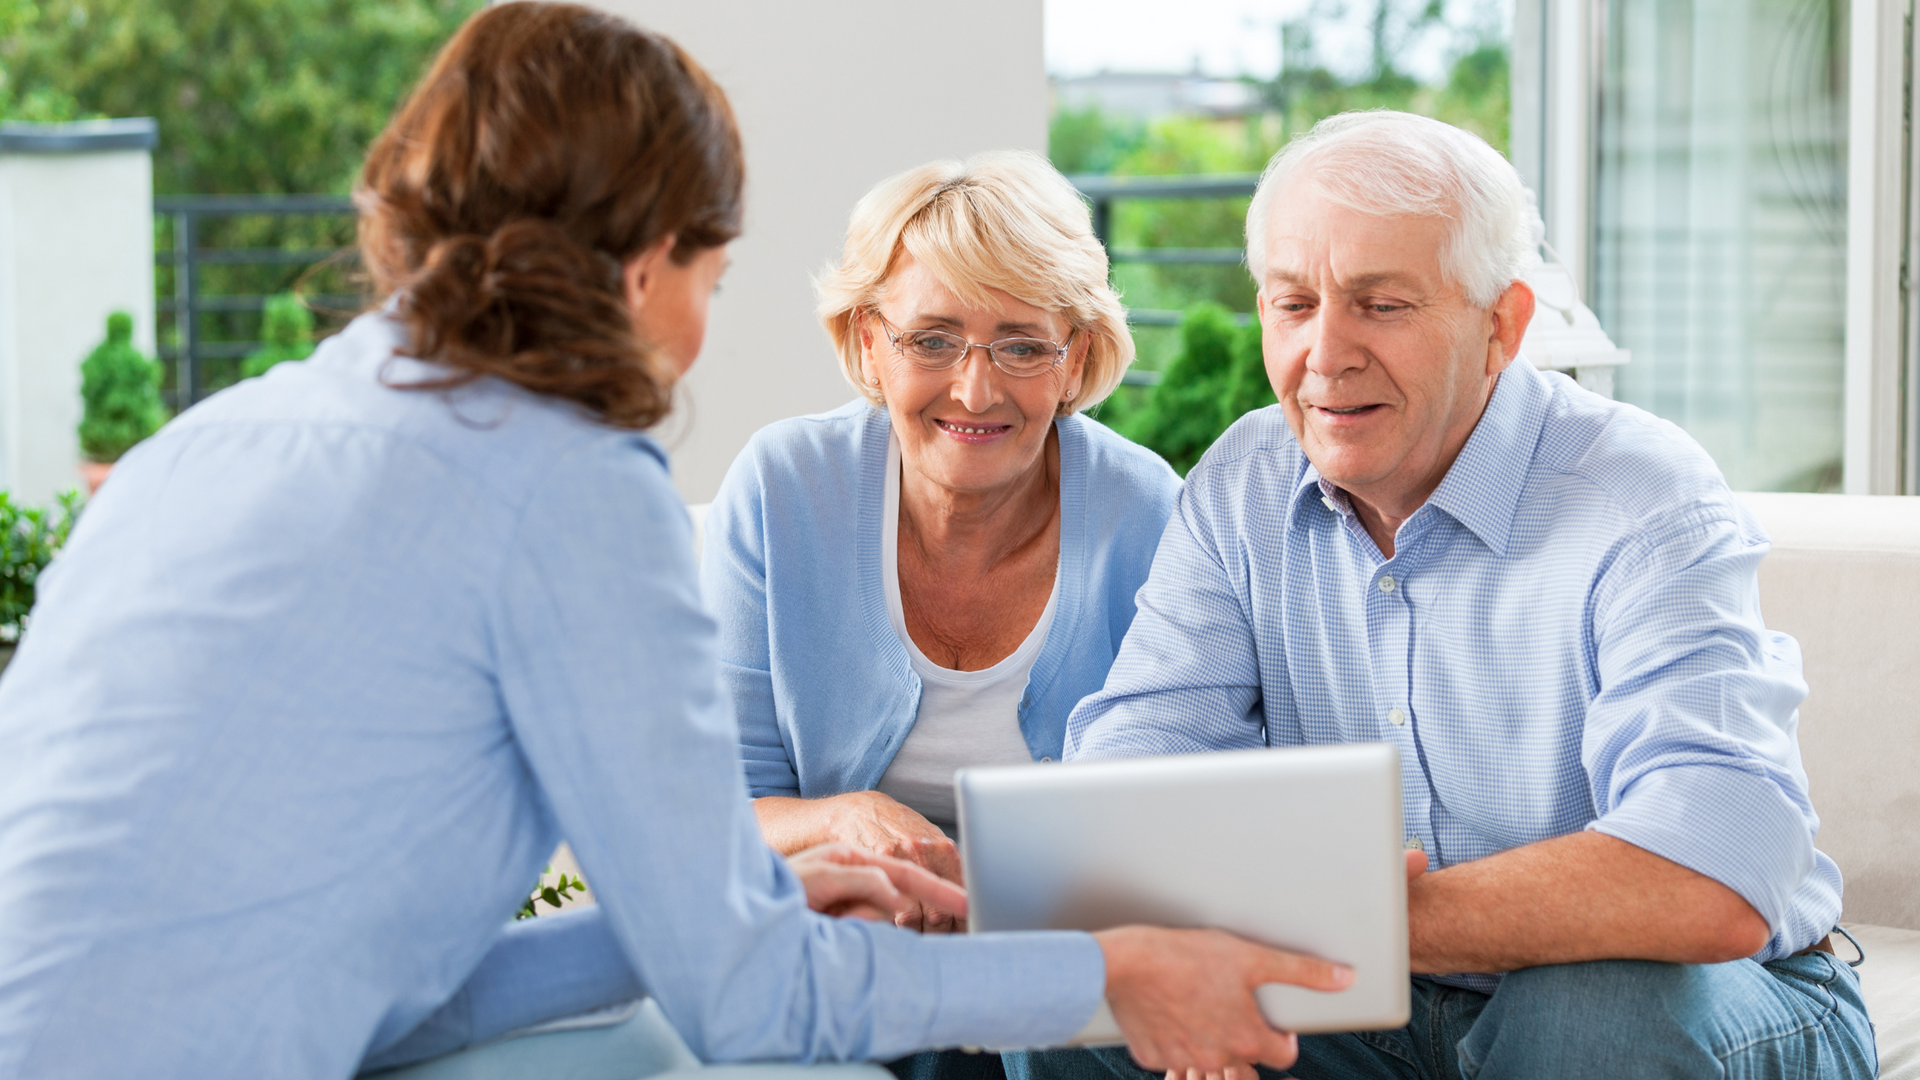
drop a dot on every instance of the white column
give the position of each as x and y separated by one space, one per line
831 98
76 242
1876 237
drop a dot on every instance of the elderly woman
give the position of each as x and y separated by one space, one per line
932 576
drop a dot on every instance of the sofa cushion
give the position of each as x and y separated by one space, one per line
1890 981
1844 579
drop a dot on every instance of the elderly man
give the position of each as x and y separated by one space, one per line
1546 600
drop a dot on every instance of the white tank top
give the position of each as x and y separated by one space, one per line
966 717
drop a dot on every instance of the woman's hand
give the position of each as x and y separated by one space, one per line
872 822
842 880
1184 998
1416 865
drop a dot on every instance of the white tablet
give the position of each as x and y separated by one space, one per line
1299 848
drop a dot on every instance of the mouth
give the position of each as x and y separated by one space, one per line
1347 411
975 432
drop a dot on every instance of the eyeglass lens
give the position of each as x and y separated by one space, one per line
1016 356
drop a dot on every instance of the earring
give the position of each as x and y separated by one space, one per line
1070 394
873 381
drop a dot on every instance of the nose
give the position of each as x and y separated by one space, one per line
973 381
1336 348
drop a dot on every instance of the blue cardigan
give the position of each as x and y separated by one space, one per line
822 685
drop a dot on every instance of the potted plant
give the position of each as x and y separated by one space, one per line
29 538
286 333
121 392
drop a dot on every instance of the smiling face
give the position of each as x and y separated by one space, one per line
971 428
1381 364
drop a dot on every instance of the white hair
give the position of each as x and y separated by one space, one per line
1396 164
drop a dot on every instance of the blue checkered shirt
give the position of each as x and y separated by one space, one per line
1567 637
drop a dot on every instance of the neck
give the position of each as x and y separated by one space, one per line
959 529
1385 505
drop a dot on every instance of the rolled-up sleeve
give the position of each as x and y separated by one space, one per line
1689 742
609 675
1187 677
733 582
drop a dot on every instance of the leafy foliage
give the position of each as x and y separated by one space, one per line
30 536
287 334
121 392
253 96
555 894
1217 376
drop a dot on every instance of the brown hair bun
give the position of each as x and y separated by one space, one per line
548 145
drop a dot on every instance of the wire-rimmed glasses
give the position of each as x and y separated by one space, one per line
938 350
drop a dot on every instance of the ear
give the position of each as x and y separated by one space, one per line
639 274
1076 366
869 367
1510 316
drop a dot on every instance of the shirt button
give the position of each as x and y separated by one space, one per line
1046 761
1396 717
1414 844
1386 583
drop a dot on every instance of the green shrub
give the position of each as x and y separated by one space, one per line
286 332
29 537
1216 377
121 389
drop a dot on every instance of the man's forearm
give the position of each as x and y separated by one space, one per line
1585 896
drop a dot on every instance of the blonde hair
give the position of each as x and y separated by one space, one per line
1002 220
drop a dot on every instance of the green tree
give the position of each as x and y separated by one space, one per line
253 96
286 332
1216 377
1089 141
121 392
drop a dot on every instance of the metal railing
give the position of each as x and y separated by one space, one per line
189 350
1103 191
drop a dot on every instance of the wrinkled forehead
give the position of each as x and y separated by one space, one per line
1314 237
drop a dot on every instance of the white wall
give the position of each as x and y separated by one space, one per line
831 97
76 242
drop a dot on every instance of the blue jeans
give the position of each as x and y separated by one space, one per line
1801 1017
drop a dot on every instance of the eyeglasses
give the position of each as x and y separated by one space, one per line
937 350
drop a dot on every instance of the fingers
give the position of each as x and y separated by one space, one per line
1295 969
913 882
835 889
1416 864
940 855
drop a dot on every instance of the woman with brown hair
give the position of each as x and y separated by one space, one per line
332 663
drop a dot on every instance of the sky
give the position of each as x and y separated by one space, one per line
1228 38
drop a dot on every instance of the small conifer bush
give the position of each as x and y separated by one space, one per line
1217 377
121 391
286 333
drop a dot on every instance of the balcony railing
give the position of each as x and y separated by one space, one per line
1104 191
191 347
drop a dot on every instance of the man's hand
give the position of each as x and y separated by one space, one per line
1184 998
843 880
873 822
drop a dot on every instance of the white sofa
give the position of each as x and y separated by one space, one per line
1844 578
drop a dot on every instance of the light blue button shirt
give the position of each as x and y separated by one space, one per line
324 674
1568 636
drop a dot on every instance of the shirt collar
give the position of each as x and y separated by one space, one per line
1482 489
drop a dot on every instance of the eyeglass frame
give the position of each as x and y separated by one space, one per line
894 335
